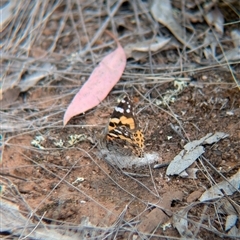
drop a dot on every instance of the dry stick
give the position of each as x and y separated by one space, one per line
101 29
177 132
40 220
200 222
47 15
26 205
26 26
10 44
84 29
28 33
161 165
136 12
9 175
59 31
119 221
113 25
215 169
154 183
40 25
135 174
74 24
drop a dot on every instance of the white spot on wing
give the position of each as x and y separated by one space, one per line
119 109
117 131
128 111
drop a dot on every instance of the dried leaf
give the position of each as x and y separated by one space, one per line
232 54
234 231
12 217
192 151
192 197
31 80
194 16
215 138
183 160
230 222
215 18
189 173
235 34
14 223
180 222
230 208
146 46
152 220
158 215
229 187
9 96
210 40
162 12
103 78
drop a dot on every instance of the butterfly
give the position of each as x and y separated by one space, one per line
124 134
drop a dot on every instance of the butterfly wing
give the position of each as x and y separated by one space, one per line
122 116
122 130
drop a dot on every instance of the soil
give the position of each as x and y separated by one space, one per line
69 184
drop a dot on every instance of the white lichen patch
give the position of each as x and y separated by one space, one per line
38 140
73 139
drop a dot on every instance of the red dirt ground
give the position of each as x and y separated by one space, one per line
104 191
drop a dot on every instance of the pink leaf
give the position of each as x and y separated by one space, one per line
103 78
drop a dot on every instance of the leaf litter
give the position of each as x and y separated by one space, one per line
14 221
192 151
229 186
162 12
209 103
